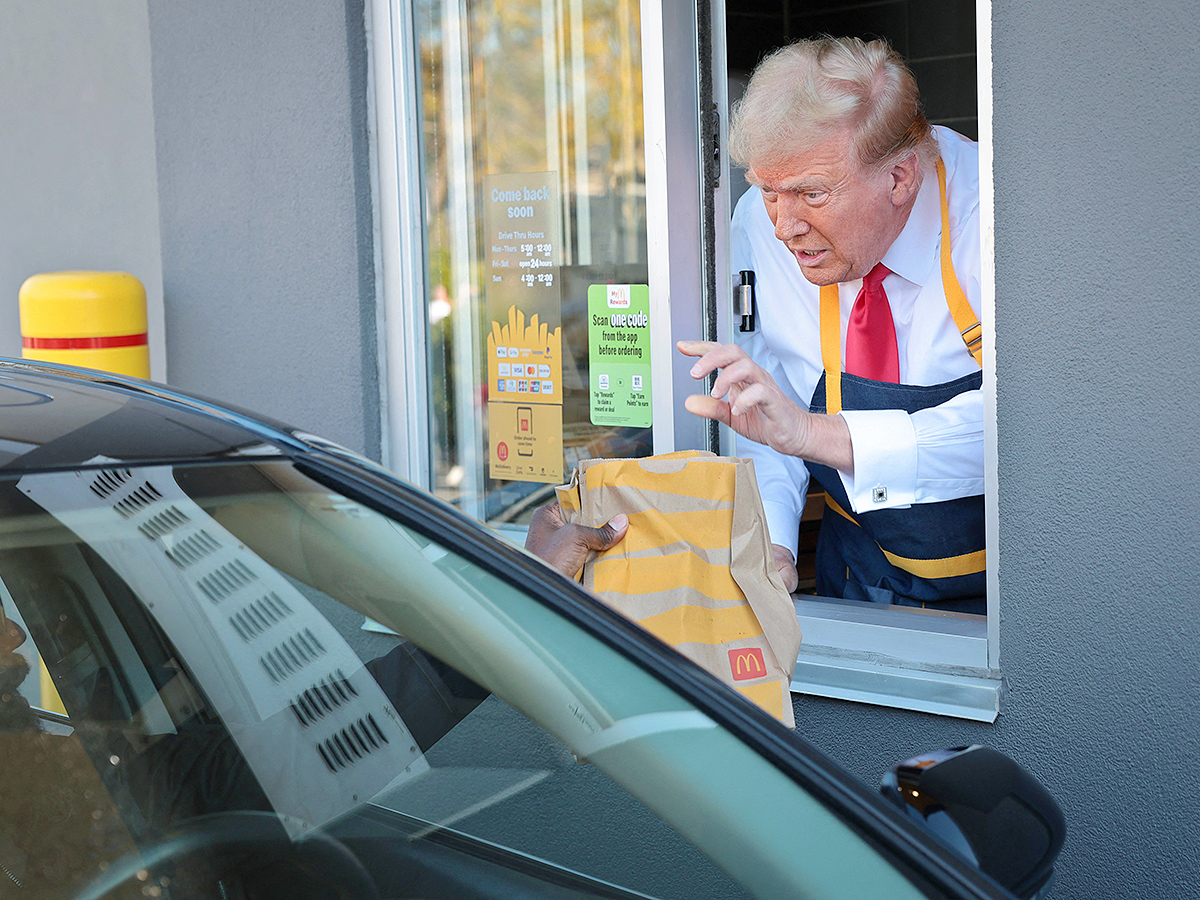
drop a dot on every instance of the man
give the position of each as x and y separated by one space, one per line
846 238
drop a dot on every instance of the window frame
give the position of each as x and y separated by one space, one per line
397 191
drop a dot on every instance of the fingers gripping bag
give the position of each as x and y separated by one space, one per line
695 568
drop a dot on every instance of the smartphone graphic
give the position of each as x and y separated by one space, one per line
524 429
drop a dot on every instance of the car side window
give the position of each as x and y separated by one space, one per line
208 662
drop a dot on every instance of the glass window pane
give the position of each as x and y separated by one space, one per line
535 203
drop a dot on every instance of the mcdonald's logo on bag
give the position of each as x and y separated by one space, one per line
747 663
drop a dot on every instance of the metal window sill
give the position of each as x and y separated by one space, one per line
902 658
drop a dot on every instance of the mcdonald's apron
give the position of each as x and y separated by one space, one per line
928 554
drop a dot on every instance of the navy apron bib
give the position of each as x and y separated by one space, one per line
929 554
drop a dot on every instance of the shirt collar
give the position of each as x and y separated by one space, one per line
913 254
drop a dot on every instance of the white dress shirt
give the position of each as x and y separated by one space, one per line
932 455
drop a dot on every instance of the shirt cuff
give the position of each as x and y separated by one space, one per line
884 443
783 524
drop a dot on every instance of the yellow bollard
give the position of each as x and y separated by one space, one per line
92 319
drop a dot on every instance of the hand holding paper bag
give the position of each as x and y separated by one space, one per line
564 546
695 568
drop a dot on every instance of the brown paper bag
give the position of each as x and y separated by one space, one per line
695 568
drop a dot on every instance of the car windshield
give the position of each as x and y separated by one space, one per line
246 662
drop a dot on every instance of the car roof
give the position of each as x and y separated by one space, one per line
62 417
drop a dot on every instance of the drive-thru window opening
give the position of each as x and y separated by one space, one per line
556 160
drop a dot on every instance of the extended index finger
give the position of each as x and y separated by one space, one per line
696 348
712 355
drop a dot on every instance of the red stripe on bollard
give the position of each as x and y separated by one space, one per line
84 343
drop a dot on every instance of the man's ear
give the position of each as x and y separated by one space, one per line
905 179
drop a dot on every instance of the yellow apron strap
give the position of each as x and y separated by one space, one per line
831 348
960 309
949 567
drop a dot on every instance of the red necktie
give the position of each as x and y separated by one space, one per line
871 334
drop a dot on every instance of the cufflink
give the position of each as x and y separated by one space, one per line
879 495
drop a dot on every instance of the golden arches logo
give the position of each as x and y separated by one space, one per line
747 662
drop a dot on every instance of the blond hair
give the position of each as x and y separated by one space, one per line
803 92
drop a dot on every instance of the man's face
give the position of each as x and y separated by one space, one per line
837 217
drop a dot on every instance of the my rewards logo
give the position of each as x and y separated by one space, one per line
618 296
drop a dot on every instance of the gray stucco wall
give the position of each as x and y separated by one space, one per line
1097 322
77 177
264 187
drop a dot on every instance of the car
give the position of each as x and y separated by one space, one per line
269 668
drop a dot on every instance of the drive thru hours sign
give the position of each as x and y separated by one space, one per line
619 354
524 345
